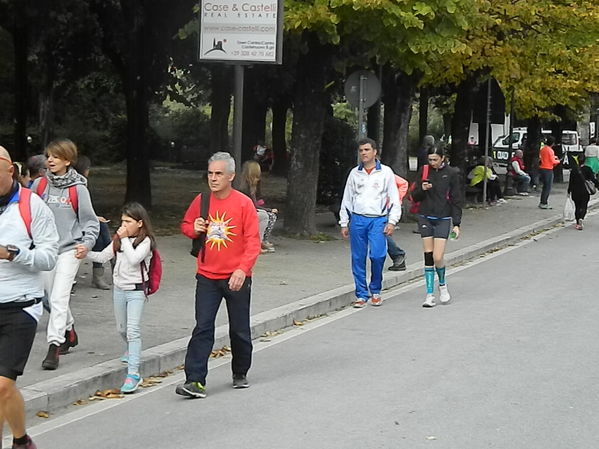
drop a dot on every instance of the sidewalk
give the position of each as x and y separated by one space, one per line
302 279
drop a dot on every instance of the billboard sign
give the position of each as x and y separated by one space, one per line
249 31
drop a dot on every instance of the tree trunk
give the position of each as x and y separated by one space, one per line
220 99
531 149
310 104
390 128
138 164
255 107
395 152
20 37
423 114
46 101
374 122
460 124
279 142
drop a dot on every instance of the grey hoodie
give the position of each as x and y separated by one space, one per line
73 229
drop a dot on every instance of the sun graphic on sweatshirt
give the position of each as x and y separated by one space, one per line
219 231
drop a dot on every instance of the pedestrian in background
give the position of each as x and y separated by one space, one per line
78 230
591 155
224 270
516 171
547 162
83 166
441 201
397 254
26 249
37 167
132 248
250 186
370 209
580 173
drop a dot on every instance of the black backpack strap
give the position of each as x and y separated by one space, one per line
204 211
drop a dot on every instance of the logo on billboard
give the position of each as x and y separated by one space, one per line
217 46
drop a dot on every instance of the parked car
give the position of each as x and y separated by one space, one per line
501 147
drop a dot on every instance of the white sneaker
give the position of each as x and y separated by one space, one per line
429 301
501 201
444 296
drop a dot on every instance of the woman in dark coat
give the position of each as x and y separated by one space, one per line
579 174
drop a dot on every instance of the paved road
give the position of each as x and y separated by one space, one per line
512 363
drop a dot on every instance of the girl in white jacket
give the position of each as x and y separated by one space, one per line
132 247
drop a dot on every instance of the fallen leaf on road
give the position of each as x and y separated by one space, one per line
297 323
220 352
113 393
42 414
150 382
80 402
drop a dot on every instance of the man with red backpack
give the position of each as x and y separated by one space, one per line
28 246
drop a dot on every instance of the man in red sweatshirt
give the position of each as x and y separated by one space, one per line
547 162
224 270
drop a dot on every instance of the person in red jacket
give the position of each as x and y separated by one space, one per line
547 162
224 270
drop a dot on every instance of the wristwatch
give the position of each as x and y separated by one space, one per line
13 251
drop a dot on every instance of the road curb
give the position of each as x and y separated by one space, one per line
65 389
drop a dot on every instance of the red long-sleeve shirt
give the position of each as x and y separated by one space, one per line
547 158
232 239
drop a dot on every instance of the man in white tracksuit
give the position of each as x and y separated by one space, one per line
371 209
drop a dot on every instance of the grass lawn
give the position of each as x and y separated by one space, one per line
172 191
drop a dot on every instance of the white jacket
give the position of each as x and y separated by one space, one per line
127 269
371 195
21 279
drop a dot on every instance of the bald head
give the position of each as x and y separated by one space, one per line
5 155
6 172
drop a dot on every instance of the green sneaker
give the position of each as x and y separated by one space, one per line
191 390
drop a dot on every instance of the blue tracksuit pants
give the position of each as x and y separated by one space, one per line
366 238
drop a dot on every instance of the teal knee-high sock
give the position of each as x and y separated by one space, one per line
441 274
429 277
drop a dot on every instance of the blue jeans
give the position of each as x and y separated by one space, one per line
366 238
522 182
128 309
547 180
209 294
393 249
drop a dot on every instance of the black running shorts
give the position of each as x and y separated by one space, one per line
434 227
17 332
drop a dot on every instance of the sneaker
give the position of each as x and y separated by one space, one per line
191 390
523 193
71 340
51 360
359 303
429 301
545 206
399 264
240 381
132 382
125 357
29 445
444 296
376 300
501 201
578 227
267 247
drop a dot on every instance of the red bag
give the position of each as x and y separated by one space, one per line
415 205
152 284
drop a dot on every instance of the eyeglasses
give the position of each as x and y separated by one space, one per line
6 159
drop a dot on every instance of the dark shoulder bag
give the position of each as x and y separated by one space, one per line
197 244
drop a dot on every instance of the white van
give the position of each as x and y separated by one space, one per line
501 147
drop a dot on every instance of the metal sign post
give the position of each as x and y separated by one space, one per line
362 90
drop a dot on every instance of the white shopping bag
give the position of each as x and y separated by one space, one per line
569 209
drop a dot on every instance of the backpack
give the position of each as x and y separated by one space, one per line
152 284
197 244
25 208
415 205
73 196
